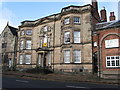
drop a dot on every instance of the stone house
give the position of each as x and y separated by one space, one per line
60 41
8 47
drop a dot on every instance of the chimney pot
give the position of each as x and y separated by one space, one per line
112 16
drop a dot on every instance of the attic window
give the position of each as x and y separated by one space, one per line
5 34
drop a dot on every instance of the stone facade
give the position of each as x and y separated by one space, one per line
61 41
8 45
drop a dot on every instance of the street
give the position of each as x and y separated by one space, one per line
13 82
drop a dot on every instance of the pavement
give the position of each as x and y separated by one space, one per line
61 77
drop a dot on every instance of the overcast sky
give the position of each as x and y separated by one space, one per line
16 11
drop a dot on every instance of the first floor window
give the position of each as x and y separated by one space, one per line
27 59
22 32
21 59
67 37
67 56
21 44
113 61
76 36
77 56
112 43
28 44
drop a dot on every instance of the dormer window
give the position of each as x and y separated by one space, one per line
67 20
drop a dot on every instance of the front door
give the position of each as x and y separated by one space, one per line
42 60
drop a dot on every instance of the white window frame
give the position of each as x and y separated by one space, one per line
66 56
28 44
77 56
95 44
67 21
28 32
21 59
112 43
22 32
28 59
21 44
45 29
66 37
76 19
112 58
77 37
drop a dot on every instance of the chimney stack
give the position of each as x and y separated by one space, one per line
103 15
112 16
95 4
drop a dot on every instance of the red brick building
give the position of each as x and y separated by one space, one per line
106 49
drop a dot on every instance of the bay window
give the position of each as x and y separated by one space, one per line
67 56
28 44
27 59
77 56
67 21
76 20
21 44
21 59
29 32
76 36
67 37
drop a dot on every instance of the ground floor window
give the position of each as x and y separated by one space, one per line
112 61
21 59
77 56
67 56
27 59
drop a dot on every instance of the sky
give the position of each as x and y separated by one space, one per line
16 11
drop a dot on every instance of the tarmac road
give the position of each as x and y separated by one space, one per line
13 82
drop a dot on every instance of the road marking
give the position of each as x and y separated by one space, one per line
75 87
22 81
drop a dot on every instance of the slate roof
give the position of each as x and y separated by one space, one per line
13 30
106 25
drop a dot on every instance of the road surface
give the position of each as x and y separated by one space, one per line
13 82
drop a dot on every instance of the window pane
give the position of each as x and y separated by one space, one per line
108 63
29 32
28 59
21 59
21 45
117 62
76 20
66 21
67 37
28 44
67 56
77 56
22 33
113 63
76 36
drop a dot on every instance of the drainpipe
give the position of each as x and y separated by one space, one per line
99 72
54 40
